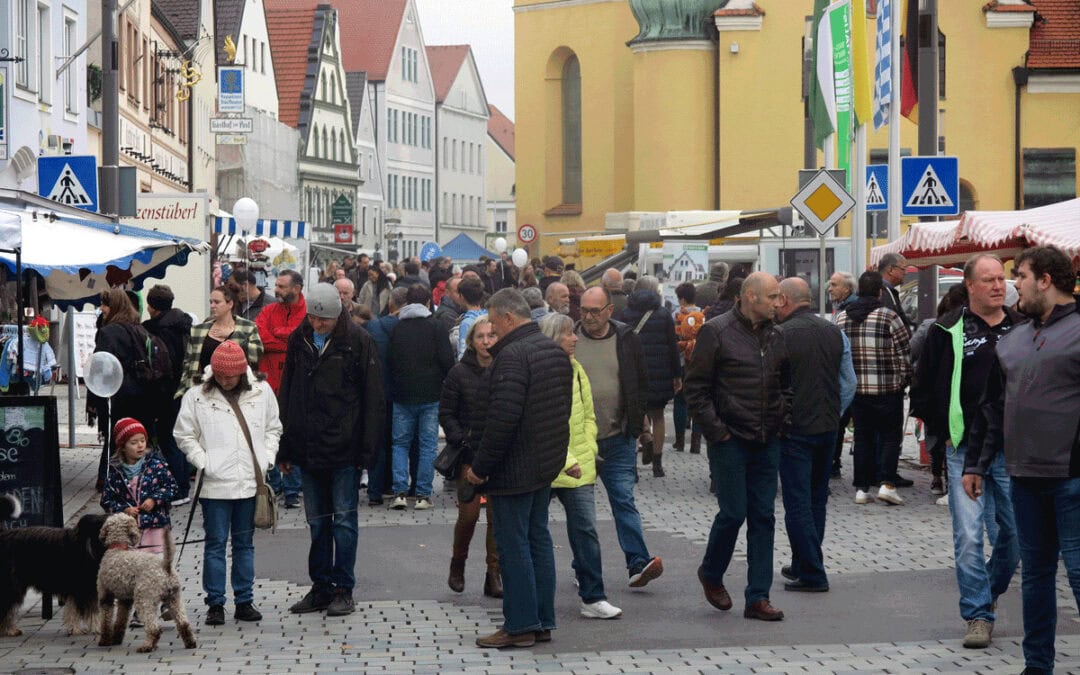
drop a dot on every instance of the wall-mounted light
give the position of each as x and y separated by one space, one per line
734 48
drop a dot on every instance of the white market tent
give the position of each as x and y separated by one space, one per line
1005 233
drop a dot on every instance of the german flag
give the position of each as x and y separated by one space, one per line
909 63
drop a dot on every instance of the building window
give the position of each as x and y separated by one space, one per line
454 213
333 144
71 83
325 145
322 87
262 58
341 144
44 71
445 152
1049 176
24 19
389 125
315 141
363 220
500 226
396 126
454 160
332 97
405 63
445 210
571 131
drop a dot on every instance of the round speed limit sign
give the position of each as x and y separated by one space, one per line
526 234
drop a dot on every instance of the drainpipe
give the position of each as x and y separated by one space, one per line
1020 79
714 36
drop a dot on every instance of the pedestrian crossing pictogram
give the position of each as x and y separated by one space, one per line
930 191
877 187
68 190
874 195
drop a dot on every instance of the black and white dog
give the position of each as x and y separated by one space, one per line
56 560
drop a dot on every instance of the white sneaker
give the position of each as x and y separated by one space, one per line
422 504
942 501
363 479
889 495
399 503
601 609
573 578
180 502
863 497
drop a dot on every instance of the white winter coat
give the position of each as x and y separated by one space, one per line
208 432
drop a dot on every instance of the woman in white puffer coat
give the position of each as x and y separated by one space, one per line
210 435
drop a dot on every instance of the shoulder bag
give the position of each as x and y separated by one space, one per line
266 513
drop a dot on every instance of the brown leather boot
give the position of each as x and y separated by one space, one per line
456 581
493 587
695 443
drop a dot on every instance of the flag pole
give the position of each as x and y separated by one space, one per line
858 224
894 124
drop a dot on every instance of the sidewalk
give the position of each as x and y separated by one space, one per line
892 607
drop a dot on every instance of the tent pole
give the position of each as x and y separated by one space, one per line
19 309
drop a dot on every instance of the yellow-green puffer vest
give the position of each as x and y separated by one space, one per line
582 448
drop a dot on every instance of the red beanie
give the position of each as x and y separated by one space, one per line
126 428
229 359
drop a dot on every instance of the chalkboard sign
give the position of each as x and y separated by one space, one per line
29 463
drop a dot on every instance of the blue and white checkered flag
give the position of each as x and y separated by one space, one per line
883 64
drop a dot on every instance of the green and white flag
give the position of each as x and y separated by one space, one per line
840 22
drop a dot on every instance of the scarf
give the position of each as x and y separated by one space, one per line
132 470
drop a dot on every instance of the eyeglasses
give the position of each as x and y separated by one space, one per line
594 311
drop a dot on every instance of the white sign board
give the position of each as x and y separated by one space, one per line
185 215
231 125
85 330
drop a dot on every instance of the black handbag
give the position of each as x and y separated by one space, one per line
448 461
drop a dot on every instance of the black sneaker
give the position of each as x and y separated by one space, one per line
901 482
314 601
788 574
292 502
215 616
246 611
342 604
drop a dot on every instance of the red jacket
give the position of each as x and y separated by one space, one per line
276 323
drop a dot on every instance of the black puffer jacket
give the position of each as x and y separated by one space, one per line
332 404
527 429
658 342
463 405
132 400
738 380
174 327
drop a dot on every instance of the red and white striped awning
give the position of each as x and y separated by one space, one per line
920 237
1054 224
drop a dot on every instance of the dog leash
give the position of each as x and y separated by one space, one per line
191 515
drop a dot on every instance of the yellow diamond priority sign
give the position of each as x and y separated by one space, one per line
822 202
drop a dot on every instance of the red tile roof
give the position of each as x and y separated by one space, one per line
290 24
369 32
445 62
1055 35
501 130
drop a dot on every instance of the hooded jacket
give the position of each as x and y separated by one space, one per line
332 402
209 434
527 428
659 343
420 356
155 483
174 327
276 322
738 380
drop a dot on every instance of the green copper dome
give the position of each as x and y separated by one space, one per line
662 20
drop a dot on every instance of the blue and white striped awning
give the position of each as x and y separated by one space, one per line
295 229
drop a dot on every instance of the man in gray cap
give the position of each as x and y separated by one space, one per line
333 408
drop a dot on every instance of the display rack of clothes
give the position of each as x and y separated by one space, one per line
38 358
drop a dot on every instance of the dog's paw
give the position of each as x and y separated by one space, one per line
80 630
11 632
105 641
146 648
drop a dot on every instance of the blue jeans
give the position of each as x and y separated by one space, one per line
1047 521
805 468
981 580
222 519
745 474
287 484
420 421
330 497
526 560
580 505
615 467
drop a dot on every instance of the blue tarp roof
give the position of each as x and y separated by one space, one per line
463 248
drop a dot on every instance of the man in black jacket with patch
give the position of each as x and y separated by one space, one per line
522 449
736 388
332 407
173 326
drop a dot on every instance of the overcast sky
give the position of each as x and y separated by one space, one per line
487 25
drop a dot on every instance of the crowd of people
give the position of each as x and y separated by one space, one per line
543 386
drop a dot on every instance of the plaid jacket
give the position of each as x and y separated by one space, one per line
246 335
880 350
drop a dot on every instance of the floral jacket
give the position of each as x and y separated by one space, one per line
157 484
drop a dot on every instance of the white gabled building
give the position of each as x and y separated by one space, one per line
501 191
306 45
244 23
462 119
369 203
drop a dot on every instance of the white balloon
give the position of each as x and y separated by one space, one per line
105 375
500 245
520 257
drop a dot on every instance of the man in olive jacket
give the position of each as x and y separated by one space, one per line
522 450
332 409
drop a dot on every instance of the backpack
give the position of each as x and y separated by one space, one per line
152 364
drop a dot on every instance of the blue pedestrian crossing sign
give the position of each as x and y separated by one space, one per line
429 251
930 186
877 187
70 180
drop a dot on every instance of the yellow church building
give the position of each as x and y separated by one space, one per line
667 105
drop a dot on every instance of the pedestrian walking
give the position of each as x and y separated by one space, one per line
216 440
688 322
574 486
332 409
741 351
462 409
823 385
610 352
1030 410
522 449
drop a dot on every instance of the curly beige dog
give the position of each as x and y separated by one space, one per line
128 576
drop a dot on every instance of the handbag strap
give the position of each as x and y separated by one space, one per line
641 324
247 435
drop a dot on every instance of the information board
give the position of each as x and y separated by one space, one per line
29 463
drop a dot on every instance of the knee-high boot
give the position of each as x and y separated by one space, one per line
463 533
493 587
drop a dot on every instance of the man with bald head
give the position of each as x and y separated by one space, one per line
823 385
737 389
612 280
558 298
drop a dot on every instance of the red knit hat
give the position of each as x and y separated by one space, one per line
229 359
125 428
